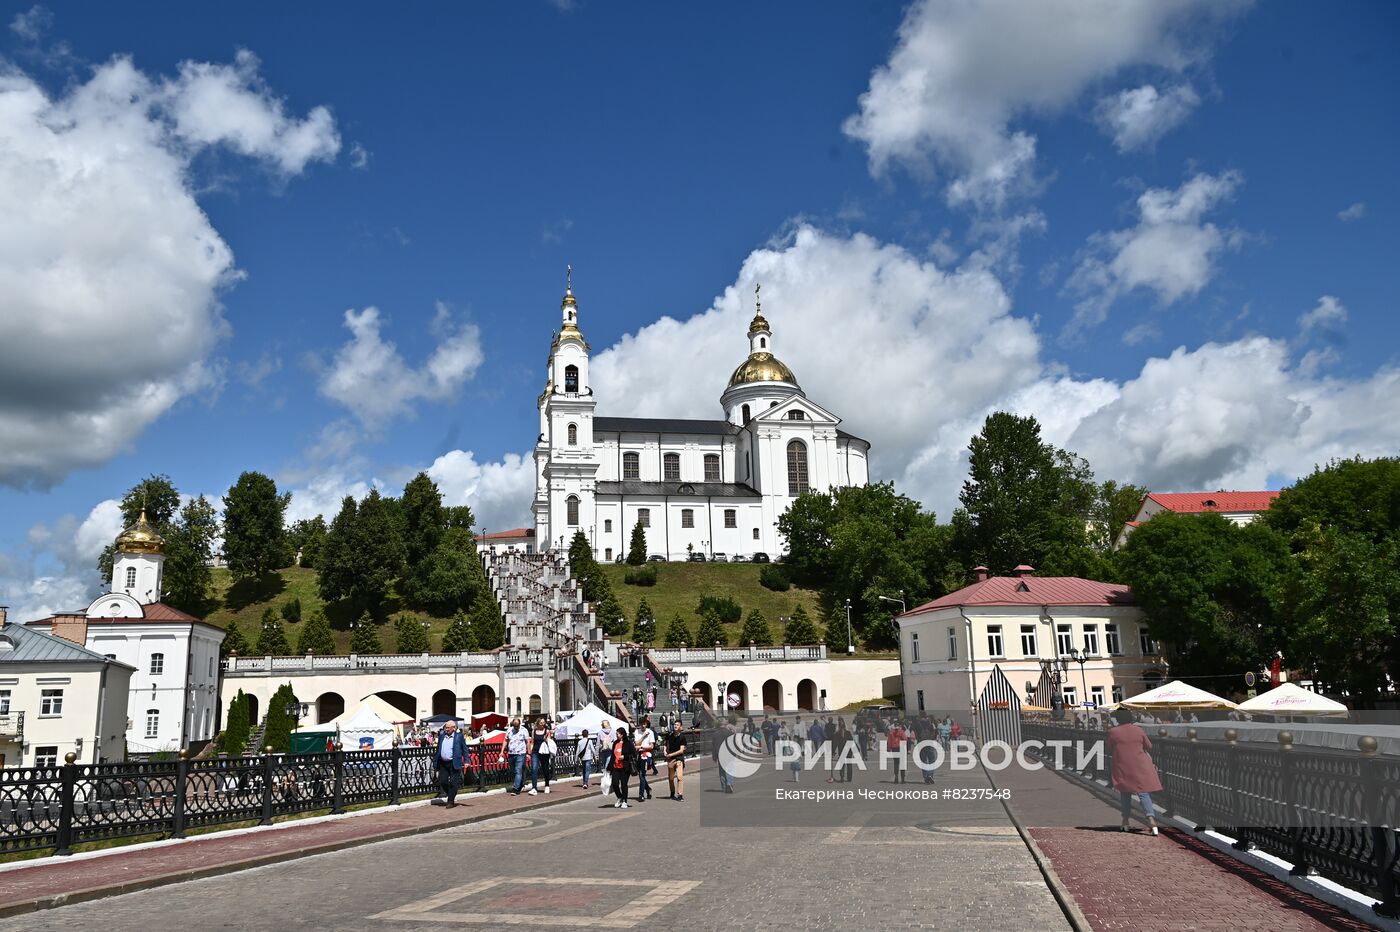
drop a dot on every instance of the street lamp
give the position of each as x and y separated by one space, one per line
850 643
296 711
1081 658
900 602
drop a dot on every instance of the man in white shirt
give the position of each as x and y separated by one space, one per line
645 740
517 743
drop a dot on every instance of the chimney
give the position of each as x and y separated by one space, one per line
1023 570
4 615
71 628
982 573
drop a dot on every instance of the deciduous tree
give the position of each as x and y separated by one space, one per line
255 540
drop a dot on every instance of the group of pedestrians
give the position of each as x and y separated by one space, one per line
633 752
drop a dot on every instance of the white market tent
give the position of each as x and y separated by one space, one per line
1176 695
590 717
363 729
1292 699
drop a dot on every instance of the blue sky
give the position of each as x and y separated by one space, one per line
1166 231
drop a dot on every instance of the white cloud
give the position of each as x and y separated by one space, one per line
253 372
1354 212
1171 251
322 495
59 570
961 74
1325 319
499 493
31 24
369 376
1138 117
359 157
109 270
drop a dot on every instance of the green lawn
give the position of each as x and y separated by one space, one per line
679 587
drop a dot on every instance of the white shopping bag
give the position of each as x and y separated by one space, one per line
605 783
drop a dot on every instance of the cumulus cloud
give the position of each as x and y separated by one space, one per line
57 571
1354 212
1138 117
109 270
31 24
370 377
499 493
1172 251
961 74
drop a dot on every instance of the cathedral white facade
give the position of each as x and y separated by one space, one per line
696 486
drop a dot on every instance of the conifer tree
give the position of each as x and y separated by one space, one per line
316 637
272 640
637 549
366 640
677 633
755 631
644 626
412 636
234 642
711 630
800 629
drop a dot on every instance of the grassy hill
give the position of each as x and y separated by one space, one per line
678 589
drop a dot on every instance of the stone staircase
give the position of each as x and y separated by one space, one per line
255 740
624 678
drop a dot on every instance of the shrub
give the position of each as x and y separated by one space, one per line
291 611
710 631
722 607
800 629
756 630
641 576
677 633
774 577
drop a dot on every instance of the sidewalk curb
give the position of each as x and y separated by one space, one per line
1077 920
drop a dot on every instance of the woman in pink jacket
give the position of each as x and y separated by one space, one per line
1133 771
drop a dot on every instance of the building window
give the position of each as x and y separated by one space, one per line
952 643
157 664
671 468
994 645
46 756
755 533
573 435
1096 695
921 700
644 517
1071 696
1091 640
711 467
797 467
745 412
1028 647
631 466
152 723
51 702
1149 646
607 526
687 517
4 702
1117 693
1112 641
731 517
131 577
797 416
571 506
914 650
571 379
1064 639
607 554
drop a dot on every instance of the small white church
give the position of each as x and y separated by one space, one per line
696 486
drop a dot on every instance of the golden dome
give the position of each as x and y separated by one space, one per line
140 538
759 324
761 367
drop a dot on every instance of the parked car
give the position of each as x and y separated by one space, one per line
761 557
719 558
656 558
696 557
738 558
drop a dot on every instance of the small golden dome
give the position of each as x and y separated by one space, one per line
759 324
761 367
140 538
569 300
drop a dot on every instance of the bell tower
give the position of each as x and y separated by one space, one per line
138 565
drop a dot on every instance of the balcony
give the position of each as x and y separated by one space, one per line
12 726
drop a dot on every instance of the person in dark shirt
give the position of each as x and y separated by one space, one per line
675 761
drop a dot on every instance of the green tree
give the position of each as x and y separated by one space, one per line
423 518
272 640
1354 496
836 633
710 631
755 630
458 516
338 561
365 639
644 625
255 540
1114 506
306 538
316 637
234 738
487 625
412 636
799 629
278 735
459 635
443 581
637 549
610 616
189 545
363 552
234 642
677 633
291 611
1022 498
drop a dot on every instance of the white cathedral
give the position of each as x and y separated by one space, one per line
696 486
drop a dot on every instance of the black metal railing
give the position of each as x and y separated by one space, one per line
1333 813
57 808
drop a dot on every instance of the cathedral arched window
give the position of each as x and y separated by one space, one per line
711 467
571 507
573 435
745 410
131 577
762 342
797 467
631 466
571 379
671 468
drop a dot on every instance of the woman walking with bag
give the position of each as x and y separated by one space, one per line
622 760
1134 774
548 749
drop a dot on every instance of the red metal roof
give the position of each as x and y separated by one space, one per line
156 611
1196 502
511 534
1033 590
